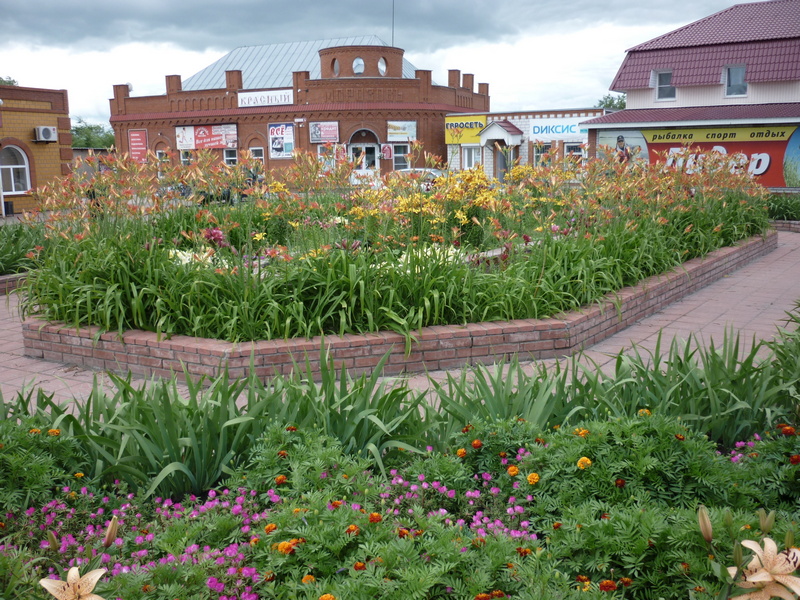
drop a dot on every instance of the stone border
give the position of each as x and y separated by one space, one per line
8 283
435 348
790 226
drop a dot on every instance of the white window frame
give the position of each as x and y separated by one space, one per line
14 178
664 91
471 156
257 152
539 152
162 157
400 156
230 156
726 80
186 157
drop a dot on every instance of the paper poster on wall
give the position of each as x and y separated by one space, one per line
401 131
281 140
200 137
324 132
137 145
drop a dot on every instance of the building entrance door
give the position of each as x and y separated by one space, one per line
366 159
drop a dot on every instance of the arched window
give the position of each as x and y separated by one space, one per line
14 171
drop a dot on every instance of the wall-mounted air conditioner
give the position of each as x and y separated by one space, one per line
46 134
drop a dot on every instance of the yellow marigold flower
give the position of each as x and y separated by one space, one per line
35 431
78 474
643 412
581 432
269 528
308 579
54 432
584 462
327 597
461 453
533 478
513 470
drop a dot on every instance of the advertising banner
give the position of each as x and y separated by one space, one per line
401 131
201 137
324 132
566 130
772 154
463 129
281 140
137 145
265 98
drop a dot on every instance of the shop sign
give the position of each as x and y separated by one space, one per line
266 98
205 137
566 130
281 140
137 145
463 129
401 131
771 154
324 132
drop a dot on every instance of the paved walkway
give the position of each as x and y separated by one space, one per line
752 301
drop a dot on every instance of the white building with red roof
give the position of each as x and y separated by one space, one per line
729 82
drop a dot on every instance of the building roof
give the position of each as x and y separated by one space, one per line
763 36
755 21
272 65
687 115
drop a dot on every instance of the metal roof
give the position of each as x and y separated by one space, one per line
770 60
272 65
747 113
755 21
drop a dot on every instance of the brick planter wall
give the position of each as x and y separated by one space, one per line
439 347
791 226
9 283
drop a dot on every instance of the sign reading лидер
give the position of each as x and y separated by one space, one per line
266 98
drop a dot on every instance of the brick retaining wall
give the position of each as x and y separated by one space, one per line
438 347
8 283
791 226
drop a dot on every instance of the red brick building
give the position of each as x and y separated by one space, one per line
35 142
272 100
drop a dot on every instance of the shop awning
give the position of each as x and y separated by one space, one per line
504 131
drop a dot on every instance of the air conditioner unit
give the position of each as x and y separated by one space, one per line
46 134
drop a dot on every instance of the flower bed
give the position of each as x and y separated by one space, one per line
439 347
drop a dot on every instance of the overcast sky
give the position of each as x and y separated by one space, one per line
534 54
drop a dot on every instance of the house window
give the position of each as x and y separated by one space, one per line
257 153
400 156
540 155
162 160
186 157
664 88
231 156
470 156
14 172
735 84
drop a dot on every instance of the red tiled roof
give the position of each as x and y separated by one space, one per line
290 109
507 125
773 60
755 21
732 112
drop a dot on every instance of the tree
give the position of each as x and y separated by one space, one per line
612 102
8 81
86 135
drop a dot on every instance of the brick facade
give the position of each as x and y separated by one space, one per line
361 105
21 111
440 347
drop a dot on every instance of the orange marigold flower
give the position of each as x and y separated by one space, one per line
477 444
280 479
327 597
580 431
620 483
147 588
513 470
524 551
286 548
402 532
680 437
291 428
283 453
582 579
360 566
625 581
556 525
352 530
468 428
699 589
478 542
794 459
533 478
79 475
483 596
54 432
254 540
336 503
685 566
584 462
269 528
788 430
498 594
35 431
502 454
461 453
539 441
269 576
607 586
644 412
375 517
308 579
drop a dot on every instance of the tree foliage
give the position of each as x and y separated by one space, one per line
87 135
8 81
612 102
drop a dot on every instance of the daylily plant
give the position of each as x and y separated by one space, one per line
769 572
